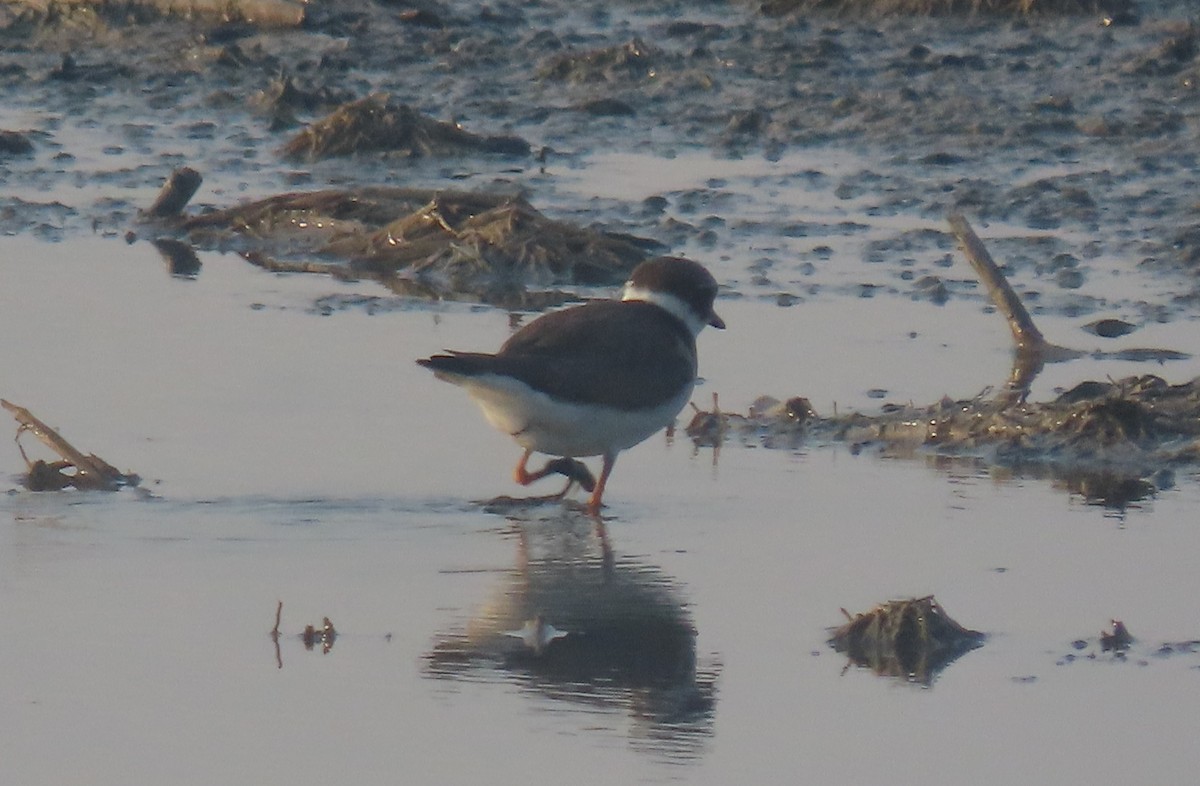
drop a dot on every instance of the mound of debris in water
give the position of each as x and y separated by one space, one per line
911 639
1105 439
379 124
1112 440
458 245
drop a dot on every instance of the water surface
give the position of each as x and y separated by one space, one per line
295 456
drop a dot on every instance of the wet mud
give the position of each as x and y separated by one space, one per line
1076 119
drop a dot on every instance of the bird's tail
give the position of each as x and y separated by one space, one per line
459 364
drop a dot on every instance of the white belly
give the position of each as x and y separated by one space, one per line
540 423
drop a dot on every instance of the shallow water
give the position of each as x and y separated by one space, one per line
293 452
296 456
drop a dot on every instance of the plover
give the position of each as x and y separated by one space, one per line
594 379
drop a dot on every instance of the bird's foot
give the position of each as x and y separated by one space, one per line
574 471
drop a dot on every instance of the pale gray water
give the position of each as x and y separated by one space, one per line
305 458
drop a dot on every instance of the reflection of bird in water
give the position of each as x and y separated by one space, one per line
537 634
579 624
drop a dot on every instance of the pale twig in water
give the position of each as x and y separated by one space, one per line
91 471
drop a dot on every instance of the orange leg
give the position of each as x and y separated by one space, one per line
594 503
522 475
525 477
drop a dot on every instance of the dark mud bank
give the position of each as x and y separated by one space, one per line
1082 122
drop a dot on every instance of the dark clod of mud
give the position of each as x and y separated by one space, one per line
1117 638
911 639
13 143
1109 328
378 123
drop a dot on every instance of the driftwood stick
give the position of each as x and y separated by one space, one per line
91 470
1032 351
1026 335
47 435
175 193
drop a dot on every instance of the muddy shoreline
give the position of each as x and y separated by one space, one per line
1048 122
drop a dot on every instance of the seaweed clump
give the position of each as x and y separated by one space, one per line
377 123
912 639
1113 442
494 248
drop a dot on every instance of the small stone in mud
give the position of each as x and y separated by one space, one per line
931 288
13 143
1109 328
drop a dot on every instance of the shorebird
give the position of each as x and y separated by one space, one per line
594 379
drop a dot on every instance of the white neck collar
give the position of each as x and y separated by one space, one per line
667 302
